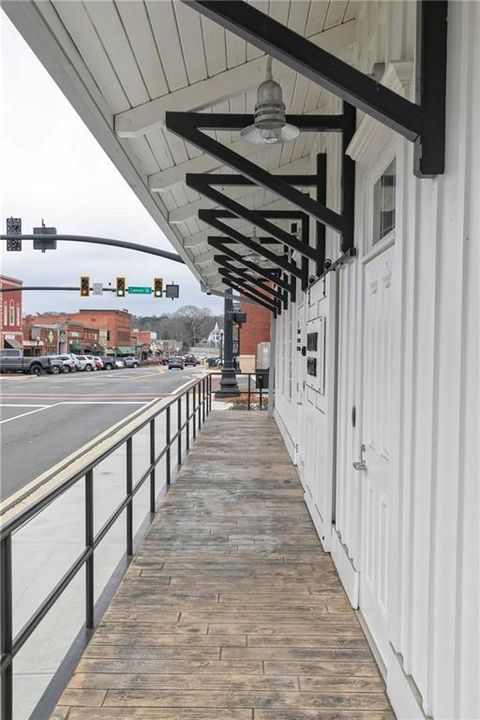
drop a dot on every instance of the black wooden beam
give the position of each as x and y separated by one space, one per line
219 243
422 122
261 300
251 282
264 272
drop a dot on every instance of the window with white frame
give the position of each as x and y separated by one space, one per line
384 204
12 313
5 313
18 315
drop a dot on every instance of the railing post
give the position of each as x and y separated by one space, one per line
249 394
179 430
129 495
152 460
194 411
261 394
167 442
6 626
199 387
209 392
89 565
188 420
204 393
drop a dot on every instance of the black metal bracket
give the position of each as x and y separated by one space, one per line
212 217
243 276
252 294
222 243
269 275
422 122
189 127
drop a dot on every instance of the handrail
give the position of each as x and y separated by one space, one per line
201 392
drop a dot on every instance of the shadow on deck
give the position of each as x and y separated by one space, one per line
230 610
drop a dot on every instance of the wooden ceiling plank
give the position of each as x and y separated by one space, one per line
164 27
215 46
144 157
336 13
107 22
252 51
137 26
317 16
160 148
297 19
191 37
80 28
279 11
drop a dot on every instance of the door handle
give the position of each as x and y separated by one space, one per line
360 464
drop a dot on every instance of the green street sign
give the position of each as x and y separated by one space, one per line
137 290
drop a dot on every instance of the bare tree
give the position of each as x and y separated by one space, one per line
194 318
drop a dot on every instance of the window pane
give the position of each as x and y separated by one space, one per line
384 204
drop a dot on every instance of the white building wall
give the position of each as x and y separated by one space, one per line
432 656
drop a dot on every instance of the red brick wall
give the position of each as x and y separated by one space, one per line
256 329
116 322
11 310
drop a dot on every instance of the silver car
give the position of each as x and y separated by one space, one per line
69 364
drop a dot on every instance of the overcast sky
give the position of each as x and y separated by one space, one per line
53 168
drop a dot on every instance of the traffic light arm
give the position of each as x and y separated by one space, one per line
102 241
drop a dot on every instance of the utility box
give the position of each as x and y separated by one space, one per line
262 365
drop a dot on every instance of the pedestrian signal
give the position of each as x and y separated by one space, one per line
84 286
120 288
158 287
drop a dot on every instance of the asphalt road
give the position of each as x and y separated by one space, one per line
45 419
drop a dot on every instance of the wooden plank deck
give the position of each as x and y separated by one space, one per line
230 610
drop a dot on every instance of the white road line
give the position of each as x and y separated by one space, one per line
17 417
18 405
102 402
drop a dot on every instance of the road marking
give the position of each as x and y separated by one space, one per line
102 402
30 412
17 405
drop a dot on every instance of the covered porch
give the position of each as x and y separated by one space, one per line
230 610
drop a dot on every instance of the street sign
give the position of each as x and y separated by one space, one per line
44 243
97 288
138 290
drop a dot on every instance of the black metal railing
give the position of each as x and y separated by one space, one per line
200 393
252 394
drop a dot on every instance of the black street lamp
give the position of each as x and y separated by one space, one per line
228 384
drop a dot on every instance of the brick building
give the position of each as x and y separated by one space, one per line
108 329
11 314
254 331
52 334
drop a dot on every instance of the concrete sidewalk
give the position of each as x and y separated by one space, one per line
230 610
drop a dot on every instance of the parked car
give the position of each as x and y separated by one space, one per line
92 360
176 361
33 365
191 360
56 365
83 363
130 362
108 362
69 364
98 362
119 363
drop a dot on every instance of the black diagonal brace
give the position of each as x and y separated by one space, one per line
239 276
225 261
422 122
186 126
252 294
211 218
220 243
253 216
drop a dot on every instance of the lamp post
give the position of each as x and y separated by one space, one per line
221 346
228 384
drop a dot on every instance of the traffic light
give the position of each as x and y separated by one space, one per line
120 287
158 287
84 286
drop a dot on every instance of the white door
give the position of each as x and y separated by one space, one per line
376 488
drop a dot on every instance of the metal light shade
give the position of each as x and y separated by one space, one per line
270 125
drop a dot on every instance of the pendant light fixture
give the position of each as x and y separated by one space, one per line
270 125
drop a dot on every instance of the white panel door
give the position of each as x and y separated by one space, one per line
376 489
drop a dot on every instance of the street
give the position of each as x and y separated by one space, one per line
43 420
